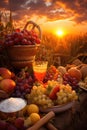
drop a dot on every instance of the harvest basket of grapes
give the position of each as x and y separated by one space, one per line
22 45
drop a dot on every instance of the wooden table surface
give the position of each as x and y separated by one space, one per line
74 118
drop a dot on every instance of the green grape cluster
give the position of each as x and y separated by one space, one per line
39 97
52 83
66 94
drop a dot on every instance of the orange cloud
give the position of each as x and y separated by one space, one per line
45 11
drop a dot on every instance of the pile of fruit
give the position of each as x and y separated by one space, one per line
23 37
30 115
16 85
52 94
71 76
59 87
23 83
7 84
52 74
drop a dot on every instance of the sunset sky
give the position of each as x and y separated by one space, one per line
52 15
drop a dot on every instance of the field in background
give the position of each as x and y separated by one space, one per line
61 51
58 51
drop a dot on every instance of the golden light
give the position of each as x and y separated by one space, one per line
60 33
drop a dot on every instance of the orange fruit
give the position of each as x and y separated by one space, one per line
34 117
32 108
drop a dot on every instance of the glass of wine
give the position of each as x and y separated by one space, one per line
39 68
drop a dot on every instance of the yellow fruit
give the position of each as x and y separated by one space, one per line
27 122
34 117
32 108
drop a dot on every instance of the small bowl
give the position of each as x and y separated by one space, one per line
12 107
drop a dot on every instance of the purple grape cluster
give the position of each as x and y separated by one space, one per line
72 81
51 74
17 124
23 37
24 83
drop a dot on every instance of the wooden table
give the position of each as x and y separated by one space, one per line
74 118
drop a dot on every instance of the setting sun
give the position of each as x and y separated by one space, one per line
60 33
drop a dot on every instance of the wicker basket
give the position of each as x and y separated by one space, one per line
23 55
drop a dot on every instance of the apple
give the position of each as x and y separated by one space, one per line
3 125
19 122
7 85
5 73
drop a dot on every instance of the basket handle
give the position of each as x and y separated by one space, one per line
34 25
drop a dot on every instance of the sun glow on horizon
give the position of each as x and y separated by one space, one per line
60 33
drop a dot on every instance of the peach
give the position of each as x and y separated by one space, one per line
7 85
74 72
5 73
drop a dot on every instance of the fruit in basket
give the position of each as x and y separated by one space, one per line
66 94
23 37
5 73
7 85
39 97
63 94
22 45
53 92
74 72
32 108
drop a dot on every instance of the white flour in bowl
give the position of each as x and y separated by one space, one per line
12 105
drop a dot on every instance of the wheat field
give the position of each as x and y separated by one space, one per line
63 51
